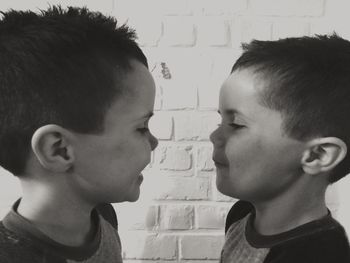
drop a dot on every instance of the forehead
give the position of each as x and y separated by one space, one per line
241 91
138 100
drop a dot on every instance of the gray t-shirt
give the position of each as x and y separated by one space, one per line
21 241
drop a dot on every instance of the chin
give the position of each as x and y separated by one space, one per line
133 197
225 187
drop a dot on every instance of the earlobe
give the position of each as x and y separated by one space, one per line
323 154
52 148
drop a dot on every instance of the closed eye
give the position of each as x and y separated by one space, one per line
236 126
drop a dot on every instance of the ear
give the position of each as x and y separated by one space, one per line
323 154
51 146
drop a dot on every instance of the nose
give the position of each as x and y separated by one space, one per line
216 137
153 141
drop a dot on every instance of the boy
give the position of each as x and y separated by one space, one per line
75 100
283 139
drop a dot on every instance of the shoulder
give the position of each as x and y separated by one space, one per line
238 211
108 213
326 246
16 249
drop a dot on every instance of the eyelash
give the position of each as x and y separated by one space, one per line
233 125
236 126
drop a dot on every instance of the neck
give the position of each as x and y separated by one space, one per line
57 213
290 210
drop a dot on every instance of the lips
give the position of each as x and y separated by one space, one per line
140 178
218 162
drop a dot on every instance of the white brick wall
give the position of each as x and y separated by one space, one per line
191 46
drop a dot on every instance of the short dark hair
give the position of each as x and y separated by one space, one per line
58 66
308 81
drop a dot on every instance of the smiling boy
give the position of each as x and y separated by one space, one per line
283 140
75 100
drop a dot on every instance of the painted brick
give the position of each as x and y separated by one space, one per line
184 188
176 70
289 29
145 218
287 7
211 216
204 160
213 32
175 158
219 197
148 30
104 6
171 7
161 125
195 125
209 87
222 7
178 94
201 247
243 31
125 9
176 217
149 246
178 31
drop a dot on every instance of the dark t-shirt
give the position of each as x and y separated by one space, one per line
319 241
22 242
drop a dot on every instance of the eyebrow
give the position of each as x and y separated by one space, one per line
233 112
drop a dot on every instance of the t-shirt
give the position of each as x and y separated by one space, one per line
22 242
319 241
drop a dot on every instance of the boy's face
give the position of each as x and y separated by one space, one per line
255 160
108 166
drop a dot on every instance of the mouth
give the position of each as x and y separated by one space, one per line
140 179
218 163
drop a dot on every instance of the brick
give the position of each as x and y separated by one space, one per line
287 7
324 26
104 6
158 98
182 188
176 70
211 216
209 85
124 9
201 247
213 32
150 261
148 30
219 197
170 7
289 29
161 125
145 218
178 31
174 158
176 217
195 125
149 246
222 7
245 30
178 94
204 160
